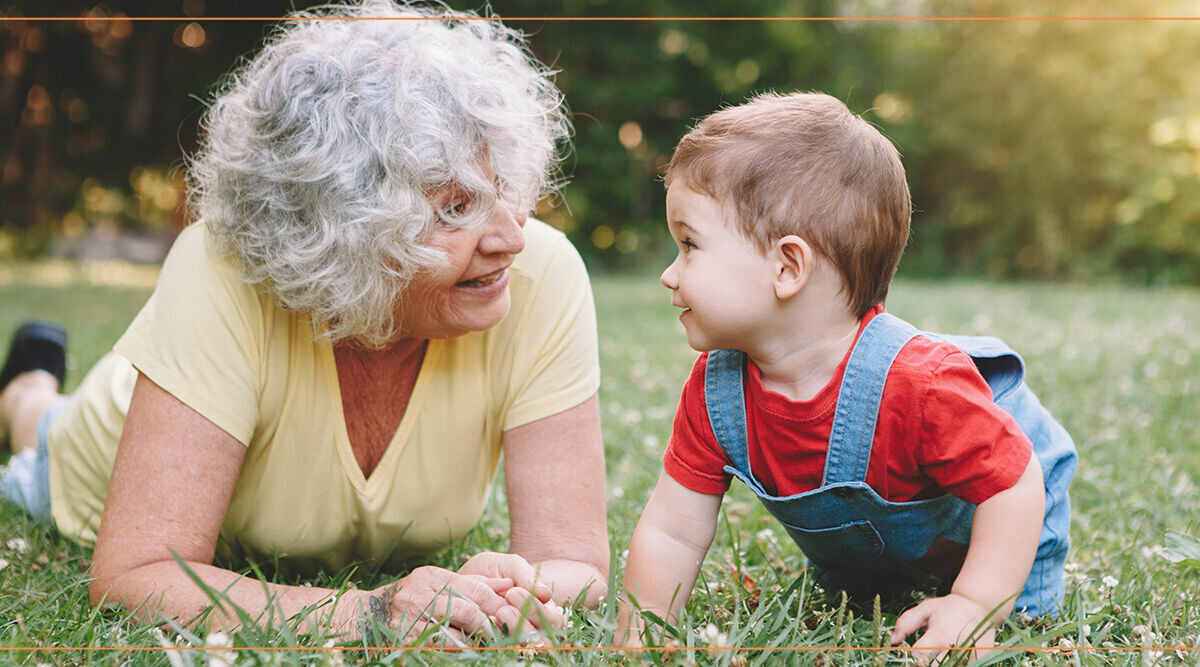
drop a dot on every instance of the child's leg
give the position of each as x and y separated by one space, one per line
1052 445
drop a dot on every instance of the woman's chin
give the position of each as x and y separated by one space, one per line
475 317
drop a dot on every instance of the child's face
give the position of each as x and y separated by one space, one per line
719 277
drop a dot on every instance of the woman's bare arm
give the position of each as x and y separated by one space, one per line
171 485
554 474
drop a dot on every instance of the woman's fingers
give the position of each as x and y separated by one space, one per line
508 566
465 603
430 594
541 615
471 603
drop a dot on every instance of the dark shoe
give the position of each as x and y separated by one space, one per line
36 346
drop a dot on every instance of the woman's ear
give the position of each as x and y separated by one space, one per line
795 261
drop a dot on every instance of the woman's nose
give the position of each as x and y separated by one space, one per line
502 232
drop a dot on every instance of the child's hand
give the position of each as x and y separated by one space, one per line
948 621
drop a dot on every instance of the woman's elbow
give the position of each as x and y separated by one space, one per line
100 586
105 574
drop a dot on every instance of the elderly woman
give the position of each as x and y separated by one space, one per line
337 353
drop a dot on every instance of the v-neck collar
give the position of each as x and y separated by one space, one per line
399 441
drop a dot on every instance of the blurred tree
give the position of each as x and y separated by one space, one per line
95 114
1044 149
635 87
1052 149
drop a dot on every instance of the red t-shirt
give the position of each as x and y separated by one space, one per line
938 431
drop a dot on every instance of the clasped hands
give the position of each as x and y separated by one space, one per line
491 593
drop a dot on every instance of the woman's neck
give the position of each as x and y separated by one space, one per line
375 387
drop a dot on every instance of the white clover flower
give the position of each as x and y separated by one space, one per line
712 636
17 544
3 564
334 656
1109 581
218 640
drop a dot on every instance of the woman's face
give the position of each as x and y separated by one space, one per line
470 291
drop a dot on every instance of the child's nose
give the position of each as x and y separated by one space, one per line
670 277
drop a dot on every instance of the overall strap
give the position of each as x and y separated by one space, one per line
859 396
725 401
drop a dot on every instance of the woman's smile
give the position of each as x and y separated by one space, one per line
486 280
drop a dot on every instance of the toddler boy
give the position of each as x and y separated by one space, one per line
884 452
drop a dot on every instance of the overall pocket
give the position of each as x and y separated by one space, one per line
854 544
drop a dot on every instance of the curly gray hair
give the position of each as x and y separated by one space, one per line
321 152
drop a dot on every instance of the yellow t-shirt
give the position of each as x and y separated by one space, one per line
227 350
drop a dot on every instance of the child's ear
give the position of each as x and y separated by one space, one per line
795 261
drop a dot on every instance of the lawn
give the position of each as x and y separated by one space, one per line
1119 366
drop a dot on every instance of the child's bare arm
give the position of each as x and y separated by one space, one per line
1004 539
668 545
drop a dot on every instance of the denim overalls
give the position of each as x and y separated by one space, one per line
856 540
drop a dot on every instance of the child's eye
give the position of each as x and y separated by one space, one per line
688 245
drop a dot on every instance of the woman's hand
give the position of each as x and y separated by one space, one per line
524 591
472 605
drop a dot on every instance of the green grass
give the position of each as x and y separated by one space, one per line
1119 366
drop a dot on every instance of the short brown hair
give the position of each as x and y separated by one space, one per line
804 164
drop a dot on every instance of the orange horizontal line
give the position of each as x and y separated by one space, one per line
195 19
665 649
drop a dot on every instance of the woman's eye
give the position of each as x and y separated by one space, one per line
456 209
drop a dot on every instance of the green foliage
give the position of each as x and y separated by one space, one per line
1041 149
1181 549
1045 149
1052 149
